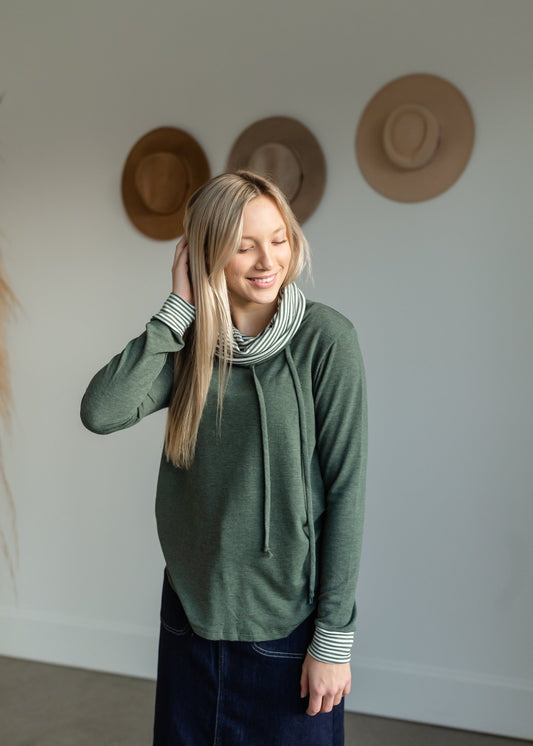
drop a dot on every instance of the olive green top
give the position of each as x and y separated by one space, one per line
266 525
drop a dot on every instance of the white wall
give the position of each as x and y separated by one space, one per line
439 291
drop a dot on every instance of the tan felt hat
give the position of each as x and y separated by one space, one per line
162 170
414 138
286 152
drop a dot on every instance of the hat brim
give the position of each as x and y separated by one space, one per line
457 130
187 149
303 144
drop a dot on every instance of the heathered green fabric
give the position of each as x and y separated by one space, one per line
210 518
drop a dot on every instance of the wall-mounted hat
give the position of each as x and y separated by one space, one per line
161 172
414 138
286 152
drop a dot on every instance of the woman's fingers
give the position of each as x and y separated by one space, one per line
181 284
327 704
180 248
326 684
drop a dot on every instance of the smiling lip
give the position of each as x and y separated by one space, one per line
262 282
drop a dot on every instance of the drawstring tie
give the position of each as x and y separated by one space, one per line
306 473
266 463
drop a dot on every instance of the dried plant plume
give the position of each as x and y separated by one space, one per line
8 305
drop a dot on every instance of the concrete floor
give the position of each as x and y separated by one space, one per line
45 705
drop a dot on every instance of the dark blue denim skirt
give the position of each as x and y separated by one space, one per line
219 693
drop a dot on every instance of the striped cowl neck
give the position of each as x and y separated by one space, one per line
284 325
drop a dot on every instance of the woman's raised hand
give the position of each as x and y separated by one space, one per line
181 282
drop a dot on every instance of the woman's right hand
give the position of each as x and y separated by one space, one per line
181 282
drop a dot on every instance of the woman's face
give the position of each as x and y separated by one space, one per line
256 272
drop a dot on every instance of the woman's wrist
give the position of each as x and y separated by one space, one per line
331 647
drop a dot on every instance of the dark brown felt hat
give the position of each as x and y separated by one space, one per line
414 138
162 170
286 152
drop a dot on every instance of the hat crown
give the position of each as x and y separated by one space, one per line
415 137
279 163
162 182
285 151
411 136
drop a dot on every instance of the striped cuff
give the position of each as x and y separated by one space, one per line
331 647
176 314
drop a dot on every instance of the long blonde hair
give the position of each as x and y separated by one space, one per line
213 225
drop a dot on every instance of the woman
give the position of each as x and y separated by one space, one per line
260 492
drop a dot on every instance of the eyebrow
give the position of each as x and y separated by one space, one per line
281 228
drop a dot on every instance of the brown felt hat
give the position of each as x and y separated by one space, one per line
161 172
414 138
286 152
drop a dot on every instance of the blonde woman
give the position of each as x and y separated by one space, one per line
260 493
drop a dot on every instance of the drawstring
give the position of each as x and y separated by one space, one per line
266 462
306 473
305 469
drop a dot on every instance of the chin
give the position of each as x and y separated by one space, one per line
267 296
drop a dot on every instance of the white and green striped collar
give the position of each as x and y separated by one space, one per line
178 314
284 325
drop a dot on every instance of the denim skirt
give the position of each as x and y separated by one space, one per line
220 693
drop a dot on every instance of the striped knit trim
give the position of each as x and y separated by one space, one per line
177 314
280 331
331 647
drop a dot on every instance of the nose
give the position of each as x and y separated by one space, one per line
264 260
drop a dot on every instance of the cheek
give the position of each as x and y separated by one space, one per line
229 277
232 271
238 265
286 258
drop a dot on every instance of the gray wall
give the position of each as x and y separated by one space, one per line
439 291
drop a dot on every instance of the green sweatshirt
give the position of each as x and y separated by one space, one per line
266 525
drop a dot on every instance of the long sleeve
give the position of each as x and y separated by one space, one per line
137 381
341 426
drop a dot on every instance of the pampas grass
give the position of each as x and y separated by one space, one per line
8 305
